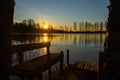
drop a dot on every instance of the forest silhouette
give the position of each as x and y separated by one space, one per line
29 26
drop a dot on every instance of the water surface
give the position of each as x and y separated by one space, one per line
83 47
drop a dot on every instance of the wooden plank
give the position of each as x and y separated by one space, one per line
27 47
61 62
86 66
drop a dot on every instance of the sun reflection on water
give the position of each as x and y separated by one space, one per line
45 37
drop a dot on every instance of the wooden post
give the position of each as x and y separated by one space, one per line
68 57
48 57
6 21
48 49
20 57
113 51
61 62
101 65
48 53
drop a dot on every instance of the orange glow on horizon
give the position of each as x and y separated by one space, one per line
45 26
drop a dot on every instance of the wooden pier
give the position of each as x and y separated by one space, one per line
35 67
84 70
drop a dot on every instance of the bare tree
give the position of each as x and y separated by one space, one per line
75 26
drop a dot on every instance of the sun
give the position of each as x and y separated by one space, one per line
45 26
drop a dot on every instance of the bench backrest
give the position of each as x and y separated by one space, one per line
19 49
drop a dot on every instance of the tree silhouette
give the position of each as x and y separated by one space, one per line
75 26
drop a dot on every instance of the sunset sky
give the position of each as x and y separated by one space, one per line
61 12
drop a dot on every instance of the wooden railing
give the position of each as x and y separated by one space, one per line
39 64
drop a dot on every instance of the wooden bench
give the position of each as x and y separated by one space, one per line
35 67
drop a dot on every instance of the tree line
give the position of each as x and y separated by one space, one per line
89 27
29 26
